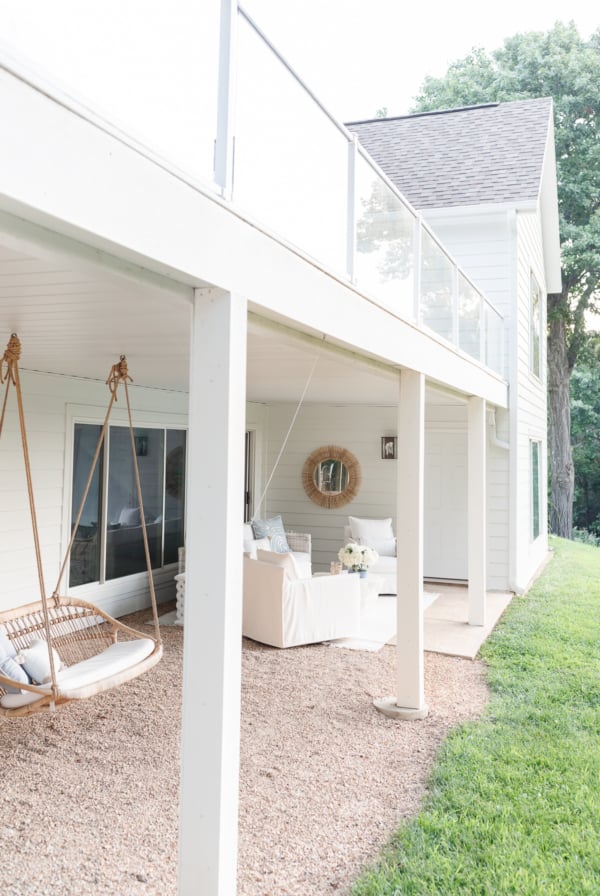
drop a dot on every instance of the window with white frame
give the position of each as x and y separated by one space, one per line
535 327
536 489
109 541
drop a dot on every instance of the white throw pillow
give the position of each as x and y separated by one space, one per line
36 662
376 534
248 538
286 561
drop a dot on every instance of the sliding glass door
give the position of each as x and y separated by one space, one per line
109 542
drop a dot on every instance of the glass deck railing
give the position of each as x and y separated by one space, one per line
290 159
150 70
303 175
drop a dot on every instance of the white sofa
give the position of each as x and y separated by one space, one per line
377 534
299 543
285 611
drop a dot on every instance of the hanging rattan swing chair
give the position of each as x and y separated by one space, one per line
62 648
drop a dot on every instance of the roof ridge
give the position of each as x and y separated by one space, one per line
423 114
473 108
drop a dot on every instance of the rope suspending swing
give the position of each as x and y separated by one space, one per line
64 648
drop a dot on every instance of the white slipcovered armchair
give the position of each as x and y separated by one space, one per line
299 544
377 534
284 610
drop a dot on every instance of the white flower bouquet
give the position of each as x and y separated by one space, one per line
357 557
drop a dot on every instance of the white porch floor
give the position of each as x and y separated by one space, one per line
446 627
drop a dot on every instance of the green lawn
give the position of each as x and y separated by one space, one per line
513 805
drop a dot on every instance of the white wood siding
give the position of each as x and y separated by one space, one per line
51 404
498 252
530 408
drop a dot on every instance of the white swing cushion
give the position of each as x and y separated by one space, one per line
113 661
92 673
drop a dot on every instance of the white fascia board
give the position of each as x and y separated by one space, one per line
69 175
550 217
491 211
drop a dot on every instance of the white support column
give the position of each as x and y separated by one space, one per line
409 702
213 604
477 500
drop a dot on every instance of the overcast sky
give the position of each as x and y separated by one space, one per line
361 55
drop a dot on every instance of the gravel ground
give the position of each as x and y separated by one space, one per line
90 793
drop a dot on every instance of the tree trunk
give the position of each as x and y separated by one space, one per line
562 475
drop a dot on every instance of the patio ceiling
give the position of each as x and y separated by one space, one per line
75 317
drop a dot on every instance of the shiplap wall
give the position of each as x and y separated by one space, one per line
50 403
359 429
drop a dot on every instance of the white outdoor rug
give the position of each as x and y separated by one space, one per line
378 624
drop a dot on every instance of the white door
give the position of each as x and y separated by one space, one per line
445 548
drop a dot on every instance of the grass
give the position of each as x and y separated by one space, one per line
513 805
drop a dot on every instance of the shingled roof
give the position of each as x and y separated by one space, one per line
477 155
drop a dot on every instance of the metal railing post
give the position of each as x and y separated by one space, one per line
224 142
351 210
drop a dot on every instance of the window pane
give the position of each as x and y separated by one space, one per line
85 554
124 540
174 494
535 488
535 327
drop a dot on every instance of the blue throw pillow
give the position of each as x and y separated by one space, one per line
12 669
274 530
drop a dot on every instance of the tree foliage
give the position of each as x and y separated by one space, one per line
559 64
585 434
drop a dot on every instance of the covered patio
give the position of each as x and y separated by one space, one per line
101 310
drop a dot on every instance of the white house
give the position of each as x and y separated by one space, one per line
484 179
291 292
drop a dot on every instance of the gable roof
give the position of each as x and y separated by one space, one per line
477 155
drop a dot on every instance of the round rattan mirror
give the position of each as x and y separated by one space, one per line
331 476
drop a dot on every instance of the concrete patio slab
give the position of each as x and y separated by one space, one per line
446 621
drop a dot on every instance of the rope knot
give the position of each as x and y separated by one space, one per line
10 358
118 373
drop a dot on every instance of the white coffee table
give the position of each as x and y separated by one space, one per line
369 589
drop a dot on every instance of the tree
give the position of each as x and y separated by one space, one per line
585 435
561 65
